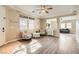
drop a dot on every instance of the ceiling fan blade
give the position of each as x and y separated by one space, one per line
49 8
46 11
43 9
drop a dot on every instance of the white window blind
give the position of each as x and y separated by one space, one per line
31 24
23 24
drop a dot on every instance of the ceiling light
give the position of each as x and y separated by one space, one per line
43 10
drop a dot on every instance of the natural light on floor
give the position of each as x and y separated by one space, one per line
34 45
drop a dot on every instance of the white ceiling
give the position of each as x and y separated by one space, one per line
57 10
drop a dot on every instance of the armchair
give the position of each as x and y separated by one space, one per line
36 34
26 36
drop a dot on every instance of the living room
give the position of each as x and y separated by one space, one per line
39 29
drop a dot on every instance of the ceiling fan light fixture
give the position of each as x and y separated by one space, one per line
43 11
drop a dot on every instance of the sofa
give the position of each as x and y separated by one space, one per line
26 36
64 31
36 35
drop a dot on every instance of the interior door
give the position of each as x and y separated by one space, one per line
2 25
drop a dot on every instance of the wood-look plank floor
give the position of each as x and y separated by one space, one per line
65 44
43 45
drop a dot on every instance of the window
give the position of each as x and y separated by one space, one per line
31 24
69 25
66 25
62 25
66 22
23 24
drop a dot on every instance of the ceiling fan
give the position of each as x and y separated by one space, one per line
43 9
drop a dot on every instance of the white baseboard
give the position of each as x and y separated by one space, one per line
9 42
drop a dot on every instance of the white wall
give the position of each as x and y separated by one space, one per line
12 27
77 27
37 24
